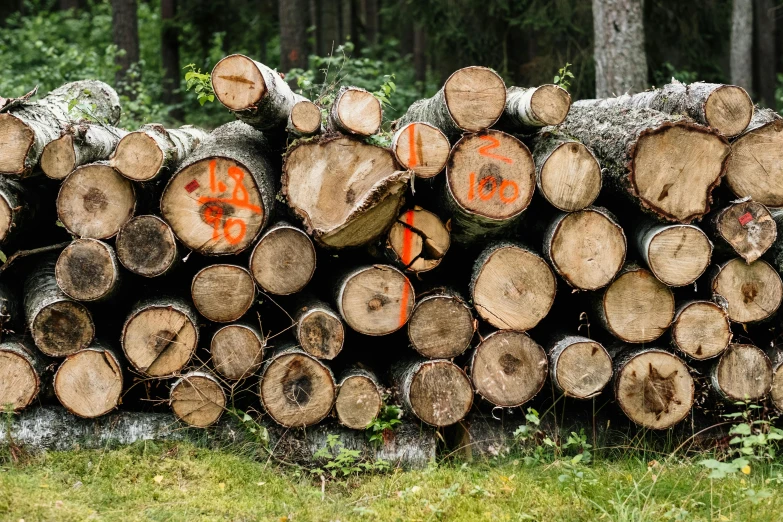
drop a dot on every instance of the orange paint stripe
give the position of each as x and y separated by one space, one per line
413 160
407 245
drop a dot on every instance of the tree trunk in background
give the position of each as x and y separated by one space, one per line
620 61
370 9
69 4
125 32
315 22
741 57
347 18
420 55
765 51
329 25
169 47
293 37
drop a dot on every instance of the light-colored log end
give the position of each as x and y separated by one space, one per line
728 110
475 97
237 82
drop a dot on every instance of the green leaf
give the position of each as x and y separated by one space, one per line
3 258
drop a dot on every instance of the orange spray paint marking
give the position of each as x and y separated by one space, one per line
494 143
230 222
413 161
483 195
213 215
502 193
407 244
471 182
240 197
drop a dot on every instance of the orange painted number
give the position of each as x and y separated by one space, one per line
487 188
233 230
493 144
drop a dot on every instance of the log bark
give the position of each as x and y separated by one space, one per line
676 254
579 367
359 399
508 368
471 100
421 148
743 373
10 311
701 329
59 325
441 325
751 292
197 399
355 111
567 173
297 390
237 350
490 180
726 108
28 127
160 336
347 192
663 163
618 36
22 373
147 153
755 167
319 329
528 108
223 293
221 198
16 209
305 119
256 94
775 253
636 307
775 355
95 201
79 144
88 270
418 240
653 387
146 246
375 300
587 248
89 382
437 391
744 228
283 261
512 287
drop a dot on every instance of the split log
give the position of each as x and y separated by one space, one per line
436 391
79 144
653 387
752 292
22 373
744 228
305 118
145 154
28 127
359 398
422 148
418 240
375 300
95 201
664 164
146 246
346 192
579 367
223 293
441 325
89 382
701 329
490 180
567 173
59 325
677 254
88 270
297 390
743 373
319 329
530 107
636 307
472 99
197 399
586 248
221 198
16 209
776 393
512 287
160 336
726 108
355 111
256 94
283 260
508 368
237 350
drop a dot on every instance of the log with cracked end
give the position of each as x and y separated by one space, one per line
197 399
146 246
160 336
418 240
22 373
579 367
319 329
677 254
283 260
347 192
359 399
355 111
89 382
751 292
441 325
147 153
422 148
743 373
88 270
222 292
529 108
305 118
79 144
17 207
237 350
745 228
701 329
567 173
436 391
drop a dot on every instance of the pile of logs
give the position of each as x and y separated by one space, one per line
491 243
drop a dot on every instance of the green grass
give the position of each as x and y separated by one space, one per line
173 482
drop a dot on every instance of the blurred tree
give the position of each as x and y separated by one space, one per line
328 25
620 60
293 34
125 33
169 47
766 55
371 21
742 44
69 4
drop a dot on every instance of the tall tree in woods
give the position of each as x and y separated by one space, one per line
328 25
371 20
766 54
69 4
741 57
293 35
169 48
125 33
620 61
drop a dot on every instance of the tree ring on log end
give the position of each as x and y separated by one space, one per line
743 373
283 261
19 381
376 300
320 333
138 157
441 326
475 98
418 240
440 393
678 255
701 330
583 369
728 109
358 111
146 246
748 227
755 167
89 383
358 402
223 293
237 351
58 158
18 138
62 328
306 117
638 308
550 104
422 148
571 177
753 291
6 218
237 82
198 399
87 270
508 368
159 340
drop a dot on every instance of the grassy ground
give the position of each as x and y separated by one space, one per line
175 482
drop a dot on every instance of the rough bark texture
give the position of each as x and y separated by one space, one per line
359 399
283 260
197 399
745 228
701 329
766 55
422 148
79 144
677 254
237 350
579 367
751 292
567 173
441 325
293 34
436 391
355 111
146 246
147 153
743 373
741 56
775 355
10 312
16 209
319 329
88 270
528 108
22 373
418 240
223 293
89 382
775 254
620 60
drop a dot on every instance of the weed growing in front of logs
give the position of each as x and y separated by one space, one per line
341 462
382 427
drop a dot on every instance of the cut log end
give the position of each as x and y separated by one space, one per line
441 326
638 308
358 402
63 328
755 167
701 330
743 373
159 340
238 83
198 399
679 255
87 270
223 293
89 383
305 118
6 219
19 380
59 158
320 333
422 148
18 138
283 260
475 97
508 368
418 240
728 109
146 246
570 178
753 291
357 111
376 300
440 393
95 201
237 351
748 227
138 157
582 368
550 104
